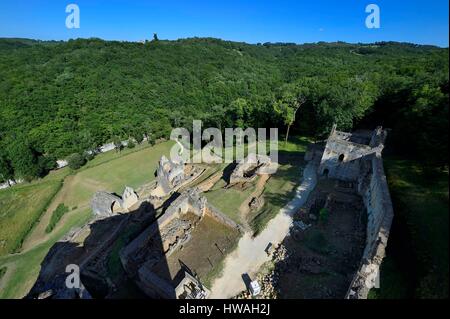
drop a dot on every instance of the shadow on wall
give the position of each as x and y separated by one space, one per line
95 249
342 168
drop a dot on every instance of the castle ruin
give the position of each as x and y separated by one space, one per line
145 259
356 157
106 204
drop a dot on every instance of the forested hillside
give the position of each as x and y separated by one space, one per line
60 98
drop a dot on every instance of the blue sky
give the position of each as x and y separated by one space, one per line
299 21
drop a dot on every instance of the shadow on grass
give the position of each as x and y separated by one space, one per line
101 271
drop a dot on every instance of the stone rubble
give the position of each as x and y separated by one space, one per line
268 281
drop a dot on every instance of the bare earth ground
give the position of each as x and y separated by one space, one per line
210 241
250 255
323 258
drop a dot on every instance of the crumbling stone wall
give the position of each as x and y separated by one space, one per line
250 167
218 215
342 156
167 233
357 158
375 192
169 174
190 200
104 204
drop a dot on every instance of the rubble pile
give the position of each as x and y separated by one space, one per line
268 281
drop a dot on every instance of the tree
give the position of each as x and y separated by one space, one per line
24 159
6 169
138 136
117 144
89 156
75 161
155 37
240 110
151 140
291 99
131 144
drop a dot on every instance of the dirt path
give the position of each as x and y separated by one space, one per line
38 234
250 255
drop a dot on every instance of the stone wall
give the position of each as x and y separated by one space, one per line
343 152
341 159
218 215
356 157
373 187
137 258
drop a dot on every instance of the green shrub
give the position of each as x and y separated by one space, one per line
131 144
76 160
56 216
139 138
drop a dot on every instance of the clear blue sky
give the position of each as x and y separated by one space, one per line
417 21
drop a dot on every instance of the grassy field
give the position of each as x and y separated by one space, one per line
115 171
29 208
21 209
416 264
23 268
228 200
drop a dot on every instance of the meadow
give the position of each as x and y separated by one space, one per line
27 209
21 209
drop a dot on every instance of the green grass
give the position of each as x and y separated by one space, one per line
22 206
112 173
216 272
228 200
25 266
416 264
211 232
56 216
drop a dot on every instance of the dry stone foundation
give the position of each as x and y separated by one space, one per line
250 167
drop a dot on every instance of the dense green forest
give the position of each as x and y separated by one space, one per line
59 98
